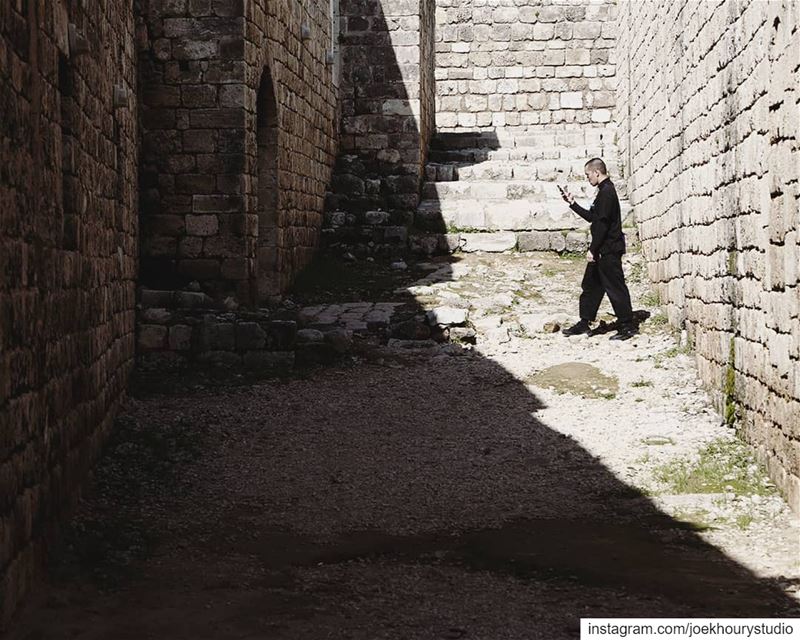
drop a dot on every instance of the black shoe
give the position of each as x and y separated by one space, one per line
577 329
600 329
625 332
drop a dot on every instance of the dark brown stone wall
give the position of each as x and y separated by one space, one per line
427 90
388 97
202 69
68 200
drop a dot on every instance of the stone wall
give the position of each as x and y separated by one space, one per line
68 197
709 112
427 86
387 96
239 123
524 62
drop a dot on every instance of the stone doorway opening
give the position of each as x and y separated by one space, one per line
267 187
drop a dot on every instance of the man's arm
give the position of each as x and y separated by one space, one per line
586 214
601 211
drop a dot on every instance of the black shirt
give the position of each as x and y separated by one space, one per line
606 220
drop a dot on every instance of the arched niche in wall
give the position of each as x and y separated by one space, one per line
267 191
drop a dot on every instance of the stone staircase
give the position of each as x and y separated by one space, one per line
498 189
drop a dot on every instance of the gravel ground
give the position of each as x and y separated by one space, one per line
499 491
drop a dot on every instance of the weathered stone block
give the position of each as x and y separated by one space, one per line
376 217
217 203
447 316
533 240
490 242
217 336
217 118
341 340
202 225
309 335
281 334
152 337
191 300
199 268
156 316
195 49
180 337
228 8
235 269
576 241
250 335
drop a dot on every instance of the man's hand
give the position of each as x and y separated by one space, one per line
589 256
568 197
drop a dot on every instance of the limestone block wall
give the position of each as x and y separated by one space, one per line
387 94
68 197
709 113
239 125
524 63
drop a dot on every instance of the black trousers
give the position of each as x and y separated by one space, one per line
605 276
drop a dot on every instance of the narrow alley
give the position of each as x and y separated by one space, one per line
298 317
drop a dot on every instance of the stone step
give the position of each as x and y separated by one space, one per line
503 168
496 242
545 171
574 157
531 190
560 137
501 214
540 152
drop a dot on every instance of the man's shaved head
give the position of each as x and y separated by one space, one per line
596 164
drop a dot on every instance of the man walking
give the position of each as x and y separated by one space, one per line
603 273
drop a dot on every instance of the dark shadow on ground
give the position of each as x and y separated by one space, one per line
394 500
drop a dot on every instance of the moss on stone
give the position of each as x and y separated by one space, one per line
731 405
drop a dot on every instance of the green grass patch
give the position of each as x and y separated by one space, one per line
641 383
722 466
650 299
530 294
637 272
672 352
731 405
573 256
451 228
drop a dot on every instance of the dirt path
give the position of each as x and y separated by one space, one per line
450 493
